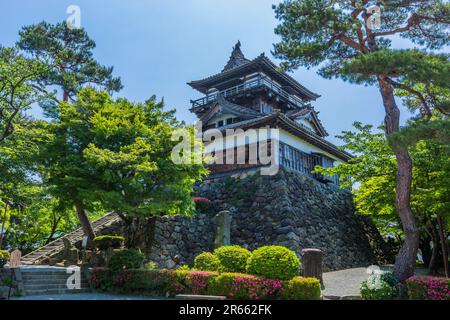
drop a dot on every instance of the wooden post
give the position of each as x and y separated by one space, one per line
312 263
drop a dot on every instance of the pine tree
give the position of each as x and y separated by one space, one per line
344 39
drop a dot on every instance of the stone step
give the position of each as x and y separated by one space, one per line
55 291
47 286
45 275
50 281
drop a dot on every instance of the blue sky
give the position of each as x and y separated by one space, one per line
156 46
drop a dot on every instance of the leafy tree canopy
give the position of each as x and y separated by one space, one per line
18 87
69 50
117 152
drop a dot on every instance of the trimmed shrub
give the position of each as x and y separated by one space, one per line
300 288
428 288
190 282
126 259
231 285
207 261
244 286
184 267
232 258
380 287
105 242
274 262
135 281
4 257
151 265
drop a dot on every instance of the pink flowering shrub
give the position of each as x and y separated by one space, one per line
201 204
190 282
231 285
244 286
428 288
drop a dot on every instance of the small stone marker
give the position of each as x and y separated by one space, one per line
312 263
223 225
84 242
14 260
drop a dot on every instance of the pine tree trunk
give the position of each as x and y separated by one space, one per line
405 260
444 244
433 267
84 221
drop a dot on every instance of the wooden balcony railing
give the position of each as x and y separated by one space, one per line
258 82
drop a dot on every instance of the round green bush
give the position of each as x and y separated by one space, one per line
4 256
232 258
274 262
206 261
126 259
105 242
380 287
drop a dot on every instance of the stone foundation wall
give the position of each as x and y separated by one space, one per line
287 209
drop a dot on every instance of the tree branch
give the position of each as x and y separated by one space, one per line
426 108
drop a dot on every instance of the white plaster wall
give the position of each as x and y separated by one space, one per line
304 146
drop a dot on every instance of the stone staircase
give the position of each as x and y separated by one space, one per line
54 247
44 280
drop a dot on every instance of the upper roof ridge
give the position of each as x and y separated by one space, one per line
237 58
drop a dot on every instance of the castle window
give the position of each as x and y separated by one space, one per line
220 123
265 108
229 120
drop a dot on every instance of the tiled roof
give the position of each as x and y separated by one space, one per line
222 104
236 59
281 119
239 63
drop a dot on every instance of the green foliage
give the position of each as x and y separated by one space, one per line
380 287
119 153
231 285
373 170
207 261
151 265
69 51
190 282
4 257
300 288
274 262
244 286
105 242
18 87
232 258
184 267
126 259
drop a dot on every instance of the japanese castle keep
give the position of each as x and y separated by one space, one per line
254 93
293 207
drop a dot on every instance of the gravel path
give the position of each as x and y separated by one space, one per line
343 282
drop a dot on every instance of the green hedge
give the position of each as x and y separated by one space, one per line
232 258
231 285
105 242
428 288
207 261
274 262
4 257
126 259
300 288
